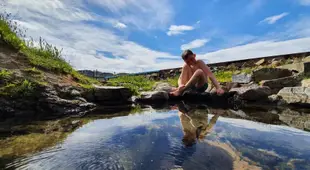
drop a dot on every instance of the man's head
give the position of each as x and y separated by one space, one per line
189 57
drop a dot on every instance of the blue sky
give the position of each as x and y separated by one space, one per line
145 35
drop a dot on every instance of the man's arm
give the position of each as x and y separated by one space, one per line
209 73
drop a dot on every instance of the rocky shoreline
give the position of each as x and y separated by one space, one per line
273 87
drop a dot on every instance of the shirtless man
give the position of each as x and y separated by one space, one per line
195 75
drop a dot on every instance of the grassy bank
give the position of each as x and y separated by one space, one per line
41 56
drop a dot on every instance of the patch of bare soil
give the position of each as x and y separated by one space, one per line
11 59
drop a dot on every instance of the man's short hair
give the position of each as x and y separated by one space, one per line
186 54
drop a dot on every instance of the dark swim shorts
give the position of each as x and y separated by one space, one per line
200 89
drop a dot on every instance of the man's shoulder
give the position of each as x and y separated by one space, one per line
200 61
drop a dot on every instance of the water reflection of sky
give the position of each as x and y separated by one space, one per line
154 141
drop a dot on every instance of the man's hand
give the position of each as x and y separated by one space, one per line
219 91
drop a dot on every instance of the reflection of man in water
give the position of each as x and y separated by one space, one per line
195 124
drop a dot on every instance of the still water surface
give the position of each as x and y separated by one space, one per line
197 139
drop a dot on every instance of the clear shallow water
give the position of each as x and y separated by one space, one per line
168 140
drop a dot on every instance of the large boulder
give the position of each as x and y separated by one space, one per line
51 102
241 78
108 95
252 92
161 86
270 73
295 95
277 84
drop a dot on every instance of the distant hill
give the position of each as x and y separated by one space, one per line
91 73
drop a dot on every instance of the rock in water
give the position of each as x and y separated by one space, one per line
298 95
154 96
277 84
108 95
162 87
241 78
252 92
270 73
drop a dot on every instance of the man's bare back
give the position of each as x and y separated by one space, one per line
195 74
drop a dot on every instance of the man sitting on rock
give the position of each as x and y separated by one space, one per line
195 75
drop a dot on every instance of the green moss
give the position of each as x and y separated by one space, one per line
23 88
86 86
5 74
33 71
173 81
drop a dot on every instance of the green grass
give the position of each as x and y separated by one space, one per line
173 81
43 56
5 74
134 83
223 76
23 88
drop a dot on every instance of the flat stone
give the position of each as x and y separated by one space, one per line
260 62
153 96
294 67
242 78
277 84
163 87
253 92
300 95
109 94
270 73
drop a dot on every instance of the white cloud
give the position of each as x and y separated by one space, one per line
81 41
304 2
274 19
258 49
120 25
179 29
143 14
194 44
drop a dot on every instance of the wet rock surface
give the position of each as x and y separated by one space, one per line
252 92
108 95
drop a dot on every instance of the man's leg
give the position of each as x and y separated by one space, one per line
197 78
